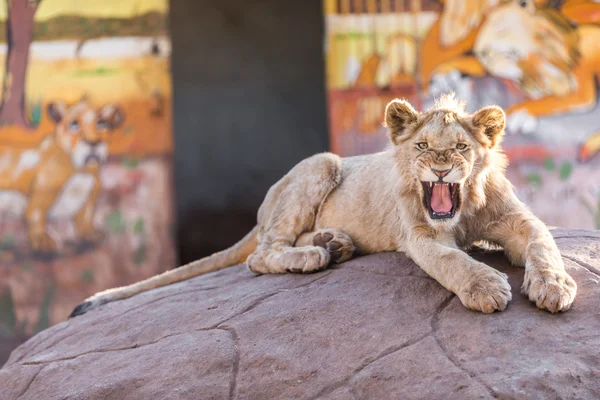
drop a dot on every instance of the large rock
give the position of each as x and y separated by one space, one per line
373 328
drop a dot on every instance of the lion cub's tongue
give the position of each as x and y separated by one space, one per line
440 198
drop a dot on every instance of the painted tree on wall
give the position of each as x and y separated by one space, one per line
19 34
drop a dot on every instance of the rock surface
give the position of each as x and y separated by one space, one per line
373 328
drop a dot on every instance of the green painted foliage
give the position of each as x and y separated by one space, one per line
35 112
535 179
7 241
139 227
549 164
130 162
8 319
115 223
100 71
566 169
44 319
87 276
140 255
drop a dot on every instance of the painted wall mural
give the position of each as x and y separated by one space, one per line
85 153
539 59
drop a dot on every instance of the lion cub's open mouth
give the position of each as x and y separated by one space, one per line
441 199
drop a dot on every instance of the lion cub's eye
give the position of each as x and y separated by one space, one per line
101 124
73 126
422 145
461 146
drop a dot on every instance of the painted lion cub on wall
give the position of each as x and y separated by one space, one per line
437 189
60 178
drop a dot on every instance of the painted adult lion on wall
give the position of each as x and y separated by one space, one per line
537 45
61 177
454 32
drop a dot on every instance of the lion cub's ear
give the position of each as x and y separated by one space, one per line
399 114
490 121
112 115
57 111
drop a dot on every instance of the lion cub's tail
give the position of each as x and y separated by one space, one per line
236 254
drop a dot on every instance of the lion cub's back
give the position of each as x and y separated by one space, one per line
363 205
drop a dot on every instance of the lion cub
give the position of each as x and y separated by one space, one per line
60 179
437 189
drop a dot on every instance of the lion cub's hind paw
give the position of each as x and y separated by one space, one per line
337 243
310 259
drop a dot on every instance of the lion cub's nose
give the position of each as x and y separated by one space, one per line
92 142
441 173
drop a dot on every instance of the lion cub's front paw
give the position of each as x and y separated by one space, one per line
487 292
550 290
42 242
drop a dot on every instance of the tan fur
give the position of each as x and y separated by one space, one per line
327 208
42 175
